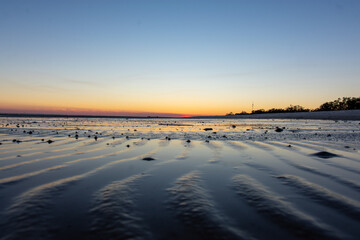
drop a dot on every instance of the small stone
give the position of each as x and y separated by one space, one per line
278 129
148 159
50 141
188 141
208 129
325 154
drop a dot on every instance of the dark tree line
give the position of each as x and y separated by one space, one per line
346 103
291 108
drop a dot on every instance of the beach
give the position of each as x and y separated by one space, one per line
210 178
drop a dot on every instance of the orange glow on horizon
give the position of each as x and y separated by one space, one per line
166 110
91 112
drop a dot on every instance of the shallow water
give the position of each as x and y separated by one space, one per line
239 180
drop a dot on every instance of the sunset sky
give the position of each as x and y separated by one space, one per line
176 58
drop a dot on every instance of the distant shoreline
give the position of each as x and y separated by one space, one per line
321 115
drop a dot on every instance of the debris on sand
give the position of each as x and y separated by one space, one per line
279 129
208 129
148 159
324 154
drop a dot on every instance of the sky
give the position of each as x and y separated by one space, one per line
176 58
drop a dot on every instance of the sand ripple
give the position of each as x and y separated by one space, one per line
193 205
114 212
280 211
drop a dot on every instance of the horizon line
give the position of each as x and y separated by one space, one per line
2 114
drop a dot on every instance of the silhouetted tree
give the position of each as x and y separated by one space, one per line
291 108
242 113
258 111
346 103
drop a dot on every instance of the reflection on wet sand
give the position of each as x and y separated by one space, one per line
171 179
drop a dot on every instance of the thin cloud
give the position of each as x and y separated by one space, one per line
88 83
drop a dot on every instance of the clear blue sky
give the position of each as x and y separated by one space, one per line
184 57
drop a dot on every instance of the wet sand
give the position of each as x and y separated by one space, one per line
171 179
